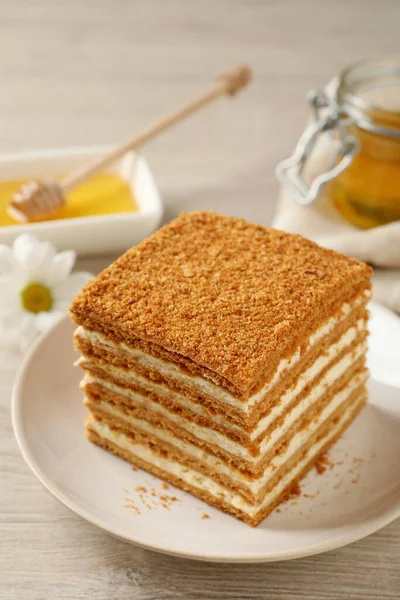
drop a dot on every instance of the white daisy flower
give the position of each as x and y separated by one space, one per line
36 287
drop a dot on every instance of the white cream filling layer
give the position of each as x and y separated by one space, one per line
207 385
227 444
297 441
321 362
201 482
211 435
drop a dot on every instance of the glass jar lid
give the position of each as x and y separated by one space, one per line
369 93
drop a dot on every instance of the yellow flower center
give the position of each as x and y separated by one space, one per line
36 297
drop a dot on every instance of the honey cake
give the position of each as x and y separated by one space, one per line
224 357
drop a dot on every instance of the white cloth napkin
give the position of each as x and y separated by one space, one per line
380 247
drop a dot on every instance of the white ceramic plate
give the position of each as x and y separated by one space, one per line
98 234
358 496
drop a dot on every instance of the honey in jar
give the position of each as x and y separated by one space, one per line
367 193
361 120
103 194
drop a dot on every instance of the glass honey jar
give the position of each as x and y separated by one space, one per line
361 117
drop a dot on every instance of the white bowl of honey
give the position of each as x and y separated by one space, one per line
110 212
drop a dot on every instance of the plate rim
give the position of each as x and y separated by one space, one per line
361 531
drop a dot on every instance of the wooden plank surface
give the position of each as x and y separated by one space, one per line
83 72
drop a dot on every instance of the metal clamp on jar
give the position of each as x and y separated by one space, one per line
363 121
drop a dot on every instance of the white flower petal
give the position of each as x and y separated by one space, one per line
28 332
10 328
10 324
9 298
43 266
24 246
8 262
15 281
60 268
34 257
66 290
22 243
44 320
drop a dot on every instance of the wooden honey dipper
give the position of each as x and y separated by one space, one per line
37 199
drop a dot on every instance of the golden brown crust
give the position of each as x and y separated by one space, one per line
207 497
230 295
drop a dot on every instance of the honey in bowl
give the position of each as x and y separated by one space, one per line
102 194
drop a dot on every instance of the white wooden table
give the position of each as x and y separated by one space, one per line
82 72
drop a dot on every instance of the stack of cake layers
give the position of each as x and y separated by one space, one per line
224 357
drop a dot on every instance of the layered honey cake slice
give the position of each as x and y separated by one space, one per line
224 357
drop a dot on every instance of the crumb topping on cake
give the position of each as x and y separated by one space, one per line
226 293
